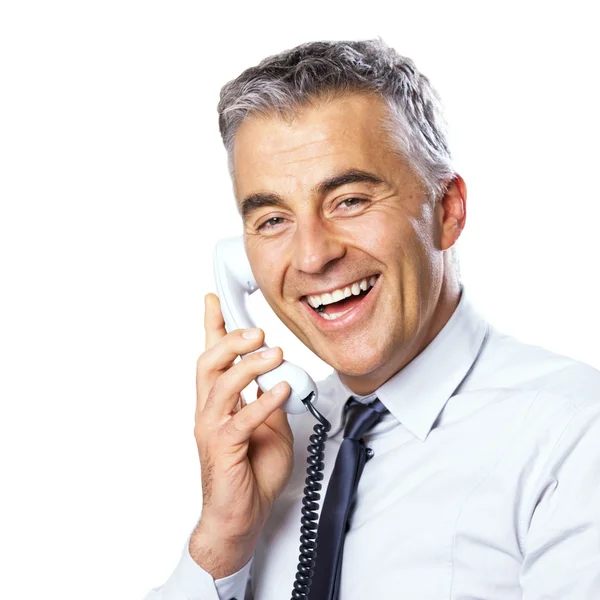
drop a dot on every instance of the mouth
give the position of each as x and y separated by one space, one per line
337 304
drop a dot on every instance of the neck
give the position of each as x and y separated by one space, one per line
448 299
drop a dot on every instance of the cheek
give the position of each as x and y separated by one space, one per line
268 272
388 236
415 235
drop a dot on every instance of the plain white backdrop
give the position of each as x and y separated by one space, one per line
114 188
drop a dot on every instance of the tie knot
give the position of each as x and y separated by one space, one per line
362 418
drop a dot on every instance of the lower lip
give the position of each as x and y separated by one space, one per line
349 318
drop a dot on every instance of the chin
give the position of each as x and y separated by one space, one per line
358 365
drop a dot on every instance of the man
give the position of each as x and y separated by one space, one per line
483 472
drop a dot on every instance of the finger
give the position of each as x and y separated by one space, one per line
278 420
236 343
225 393
217 360
243 424
214 324
220 357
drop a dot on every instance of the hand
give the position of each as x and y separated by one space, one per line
246 451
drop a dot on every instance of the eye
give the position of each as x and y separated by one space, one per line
352 202
271 223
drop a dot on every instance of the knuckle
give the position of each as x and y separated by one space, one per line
230 427
206 364
200 362
220 390
210 398
199 436
198 431
200 427
206 440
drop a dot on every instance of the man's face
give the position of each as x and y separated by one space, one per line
328 205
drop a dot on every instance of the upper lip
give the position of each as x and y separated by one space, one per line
341 286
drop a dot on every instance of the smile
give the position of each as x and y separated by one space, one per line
331 306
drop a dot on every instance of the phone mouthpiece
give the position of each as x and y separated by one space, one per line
303 388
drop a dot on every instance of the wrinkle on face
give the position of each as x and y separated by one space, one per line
392 236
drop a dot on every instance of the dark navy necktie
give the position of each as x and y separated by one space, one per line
339 499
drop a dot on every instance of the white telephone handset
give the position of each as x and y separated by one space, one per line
235 282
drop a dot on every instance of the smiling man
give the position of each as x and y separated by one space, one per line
328 203
461 463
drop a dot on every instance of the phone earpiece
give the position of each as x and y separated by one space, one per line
235 282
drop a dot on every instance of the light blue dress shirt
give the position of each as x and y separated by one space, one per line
485 483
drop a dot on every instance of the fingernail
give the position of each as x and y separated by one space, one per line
251 334
270 353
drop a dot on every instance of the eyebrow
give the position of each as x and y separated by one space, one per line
258 200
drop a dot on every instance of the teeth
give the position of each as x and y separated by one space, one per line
337 295
334 316
314 301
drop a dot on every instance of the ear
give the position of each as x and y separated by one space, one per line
453 212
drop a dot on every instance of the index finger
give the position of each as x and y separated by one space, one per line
214 324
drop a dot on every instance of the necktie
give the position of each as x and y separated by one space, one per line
339 499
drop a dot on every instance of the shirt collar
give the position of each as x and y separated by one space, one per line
417 394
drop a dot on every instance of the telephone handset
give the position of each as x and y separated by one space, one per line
235 282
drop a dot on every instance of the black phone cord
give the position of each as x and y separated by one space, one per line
310 504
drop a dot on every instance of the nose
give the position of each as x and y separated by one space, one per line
314 246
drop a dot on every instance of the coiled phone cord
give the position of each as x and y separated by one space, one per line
310 504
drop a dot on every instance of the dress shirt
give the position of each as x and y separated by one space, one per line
484 485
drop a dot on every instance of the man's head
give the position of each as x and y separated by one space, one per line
342 175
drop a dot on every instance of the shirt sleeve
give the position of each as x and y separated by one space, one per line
562 547
189 581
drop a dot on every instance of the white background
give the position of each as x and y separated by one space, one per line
114 189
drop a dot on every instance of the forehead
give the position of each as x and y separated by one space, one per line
316 141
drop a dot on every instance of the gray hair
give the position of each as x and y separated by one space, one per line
288 81
285 82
